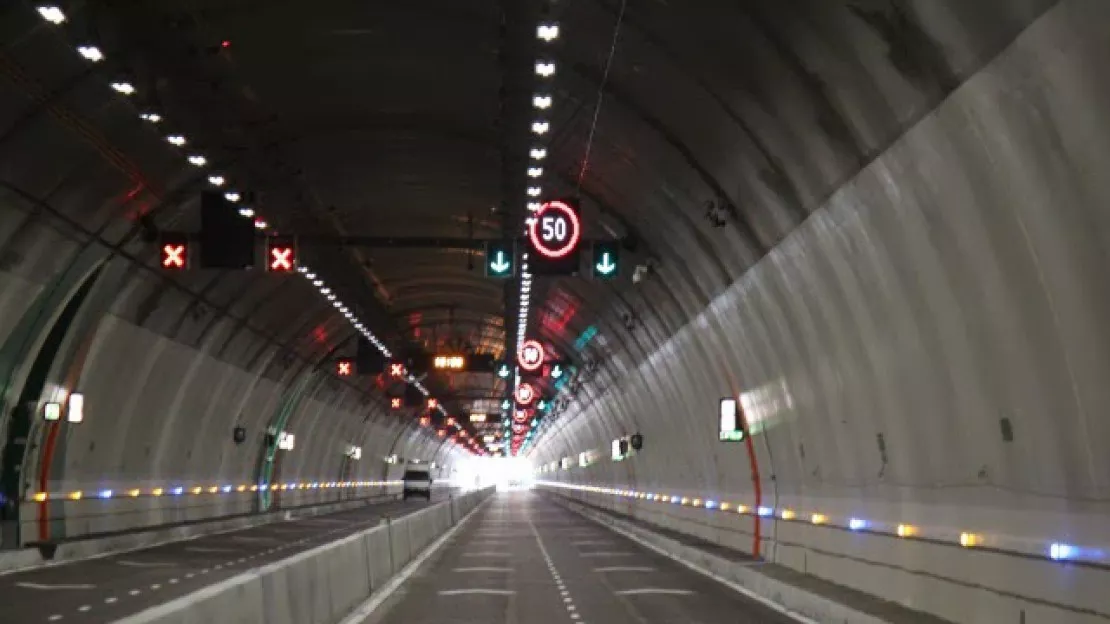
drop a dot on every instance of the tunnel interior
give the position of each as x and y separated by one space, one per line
872 231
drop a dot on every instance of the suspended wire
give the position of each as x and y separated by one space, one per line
600 98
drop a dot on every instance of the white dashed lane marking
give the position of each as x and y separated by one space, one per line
654 590
568 600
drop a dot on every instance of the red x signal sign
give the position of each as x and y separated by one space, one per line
395 403
344 368
432 403
281 255
174 253
396 370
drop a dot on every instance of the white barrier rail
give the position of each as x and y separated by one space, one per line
322 584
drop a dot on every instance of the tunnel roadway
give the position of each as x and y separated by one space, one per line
109 588
523 559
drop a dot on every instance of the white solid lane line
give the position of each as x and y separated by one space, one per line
482 569
653 590
624 569
491 592
51 586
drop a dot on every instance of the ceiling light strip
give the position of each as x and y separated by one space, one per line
542 101
92 53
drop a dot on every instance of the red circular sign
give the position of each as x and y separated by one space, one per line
530 356
525 393
555 230
521 416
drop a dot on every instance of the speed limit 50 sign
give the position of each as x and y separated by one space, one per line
553 238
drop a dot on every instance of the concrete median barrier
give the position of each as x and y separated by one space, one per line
322 585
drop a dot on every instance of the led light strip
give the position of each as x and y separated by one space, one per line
195 490
92 53
542 101
1057 551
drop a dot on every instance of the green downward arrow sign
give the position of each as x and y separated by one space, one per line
606 263
499 263
606 266
500 258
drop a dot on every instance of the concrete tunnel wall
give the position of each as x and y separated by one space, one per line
160 415
959 280
165 377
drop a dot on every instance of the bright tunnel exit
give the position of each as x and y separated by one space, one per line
506 473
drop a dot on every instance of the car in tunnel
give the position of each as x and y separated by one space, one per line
417 482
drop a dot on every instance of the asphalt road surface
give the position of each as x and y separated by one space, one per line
524 560
109 588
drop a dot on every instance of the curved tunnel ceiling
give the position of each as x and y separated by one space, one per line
711 134
875 223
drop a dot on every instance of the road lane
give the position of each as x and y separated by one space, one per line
525 560
108 588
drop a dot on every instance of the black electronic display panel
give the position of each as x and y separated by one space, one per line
226 238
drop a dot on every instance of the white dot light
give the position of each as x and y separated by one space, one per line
547 32
151 117
198 160
540 127
534 191
124 87
52 14
91 53
176 139
535 172
542 102
232 196
545 69
246 212
538 153
216 180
